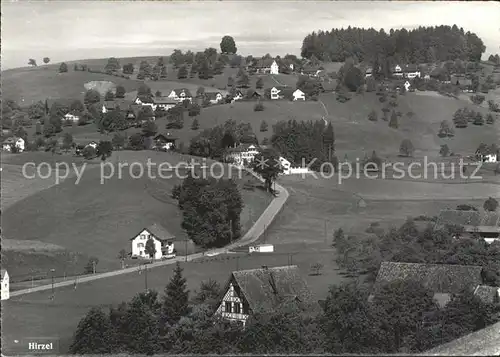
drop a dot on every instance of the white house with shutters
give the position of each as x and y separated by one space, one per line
289 169
5 291
163 242
264 289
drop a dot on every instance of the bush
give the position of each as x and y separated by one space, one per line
259 107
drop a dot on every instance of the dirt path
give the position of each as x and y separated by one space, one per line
250 236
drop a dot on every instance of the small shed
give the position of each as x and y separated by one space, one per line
261 248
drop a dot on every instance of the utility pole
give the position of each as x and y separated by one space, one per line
237 263
52 276
231 231
326 234
93 266
146 277
186 247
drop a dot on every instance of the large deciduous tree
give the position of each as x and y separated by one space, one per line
227 45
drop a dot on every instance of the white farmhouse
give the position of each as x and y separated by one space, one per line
397 71
274 68
5 284
13 141
163 240
299 95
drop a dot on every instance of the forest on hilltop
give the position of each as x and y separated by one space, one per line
421 45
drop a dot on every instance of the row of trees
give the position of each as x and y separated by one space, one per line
363 255
463 116
304 142
421 45
211 210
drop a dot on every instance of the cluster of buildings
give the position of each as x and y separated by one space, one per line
484 225
244 154
14 143
266 289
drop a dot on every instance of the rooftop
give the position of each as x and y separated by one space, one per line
480 343
459 218
439 278
267 288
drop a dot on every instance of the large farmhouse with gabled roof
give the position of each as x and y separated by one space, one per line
264 289
442 279
163 240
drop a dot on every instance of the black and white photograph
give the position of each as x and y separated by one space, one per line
231 177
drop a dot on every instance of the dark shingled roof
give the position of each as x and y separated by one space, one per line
459 218
268 288
488 294
211 95
480 343
158 231
439 278
490 219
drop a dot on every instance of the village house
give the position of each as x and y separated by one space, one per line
397 71
180 95
13 142
267 65
214 97
264 290
238 95
487 154
254 94
443 280
163 241
485 225
298 95
310 70
164 142
5 290
281 92
368 72
242 154
164 103
71 117
109 106
411 71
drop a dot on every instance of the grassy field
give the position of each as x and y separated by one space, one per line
96 219
44 315
27 85
301 234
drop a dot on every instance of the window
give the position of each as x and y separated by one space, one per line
228 306
246 308
140 245
143 236
237 308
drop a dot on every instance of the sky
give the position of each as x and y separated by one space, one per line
70 30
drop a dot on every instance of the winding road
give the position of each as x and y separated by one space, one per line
265 219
